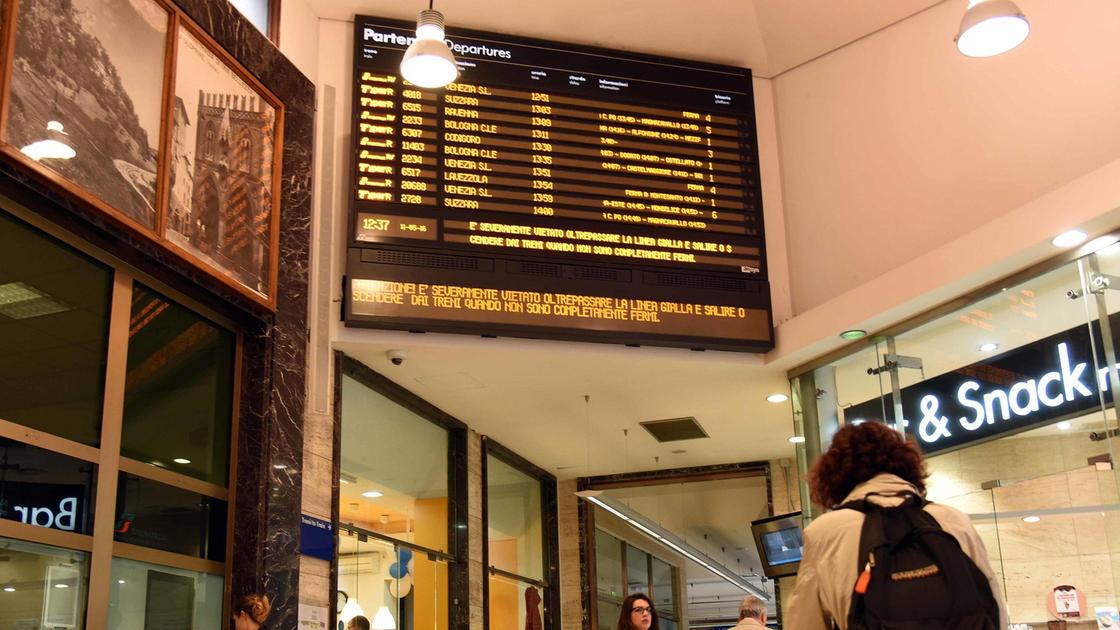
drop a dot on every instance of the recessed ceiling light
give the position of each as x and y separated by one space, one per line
62 586
181 460
9 589
1032 519
1065 425
120 581
23 301
1069 238
988 347
372 494
796 439
853 334
777 398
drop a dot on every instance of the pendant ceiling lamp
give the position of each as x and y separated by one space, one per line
991 27
428 62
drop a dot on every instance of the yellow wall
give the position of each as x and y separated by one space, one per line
430 578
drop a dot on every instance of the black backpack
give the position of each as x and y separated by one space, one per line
914 575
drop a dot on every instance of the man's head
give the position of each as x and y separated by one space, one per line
754 608
358 623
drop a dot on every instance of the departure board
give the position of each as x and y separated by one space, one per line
555 191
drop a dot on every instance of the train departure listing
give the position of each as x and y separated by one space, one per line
610 163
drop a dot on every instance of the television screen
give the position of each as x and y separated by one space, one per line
782 546
778 540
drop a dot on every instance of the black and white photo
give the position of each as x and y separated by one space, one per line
221 206
95 121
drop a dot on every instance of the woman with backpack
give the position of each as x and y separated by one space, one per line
884 557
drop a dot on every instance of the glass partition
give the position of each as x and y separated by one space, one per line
1010 398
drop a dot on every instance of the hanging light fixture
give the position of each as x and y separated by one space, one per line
428 62
55 146
383 620
991 27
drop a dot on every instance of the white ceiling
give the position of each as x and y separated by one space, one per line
529 395
768 36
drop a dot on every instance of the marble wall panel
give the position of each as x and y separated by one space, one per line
269 560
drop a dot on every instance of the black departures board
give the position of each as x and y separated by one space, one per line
556 192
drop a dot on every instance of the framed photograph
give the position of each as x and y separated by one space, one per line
86 97
224 167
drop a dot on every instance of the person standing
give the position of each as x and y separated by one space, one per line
752 614
250 612
870 463
637 613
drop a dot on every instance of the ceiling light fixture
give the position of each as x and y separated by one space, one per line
55 146
1065 425
797 439
181 460
991 27
852 335
383 620
372 494
777 398
9 589
1069 238
670 540
1032 519
988 347
428 62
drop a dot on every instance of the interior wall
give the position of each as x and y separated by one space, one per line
897 144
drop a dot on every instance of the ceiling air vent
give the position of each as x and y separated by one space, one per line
675 429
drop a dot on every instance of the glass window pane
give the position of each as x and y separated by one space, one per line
143 596
637 570
662 586
513 602
42 587
43 488
256 11
394 469
513 503
178 405
109 115
608 565
54 330
152 514
609 611
378 579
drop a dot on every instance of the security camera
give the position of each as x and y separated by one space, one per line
396 356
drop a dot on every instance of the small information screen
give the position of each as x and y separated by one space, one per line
556 191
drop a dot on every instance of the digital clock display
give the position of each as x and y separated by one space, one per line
556 191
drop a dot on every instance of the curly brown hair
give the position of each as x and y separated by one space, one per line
256 607
858 453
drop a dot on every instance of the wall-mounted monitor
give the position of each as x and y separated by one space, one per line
778 540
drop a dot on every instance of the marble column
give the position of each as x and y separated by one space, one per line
271 445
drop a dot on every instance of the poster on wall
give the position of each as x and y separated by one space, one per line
97 125
1066 602
221 204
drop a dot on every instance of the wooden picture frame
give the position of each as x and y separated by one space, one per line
239 250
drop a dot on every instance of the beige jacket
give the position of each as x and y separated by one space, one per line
747 623
831 544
